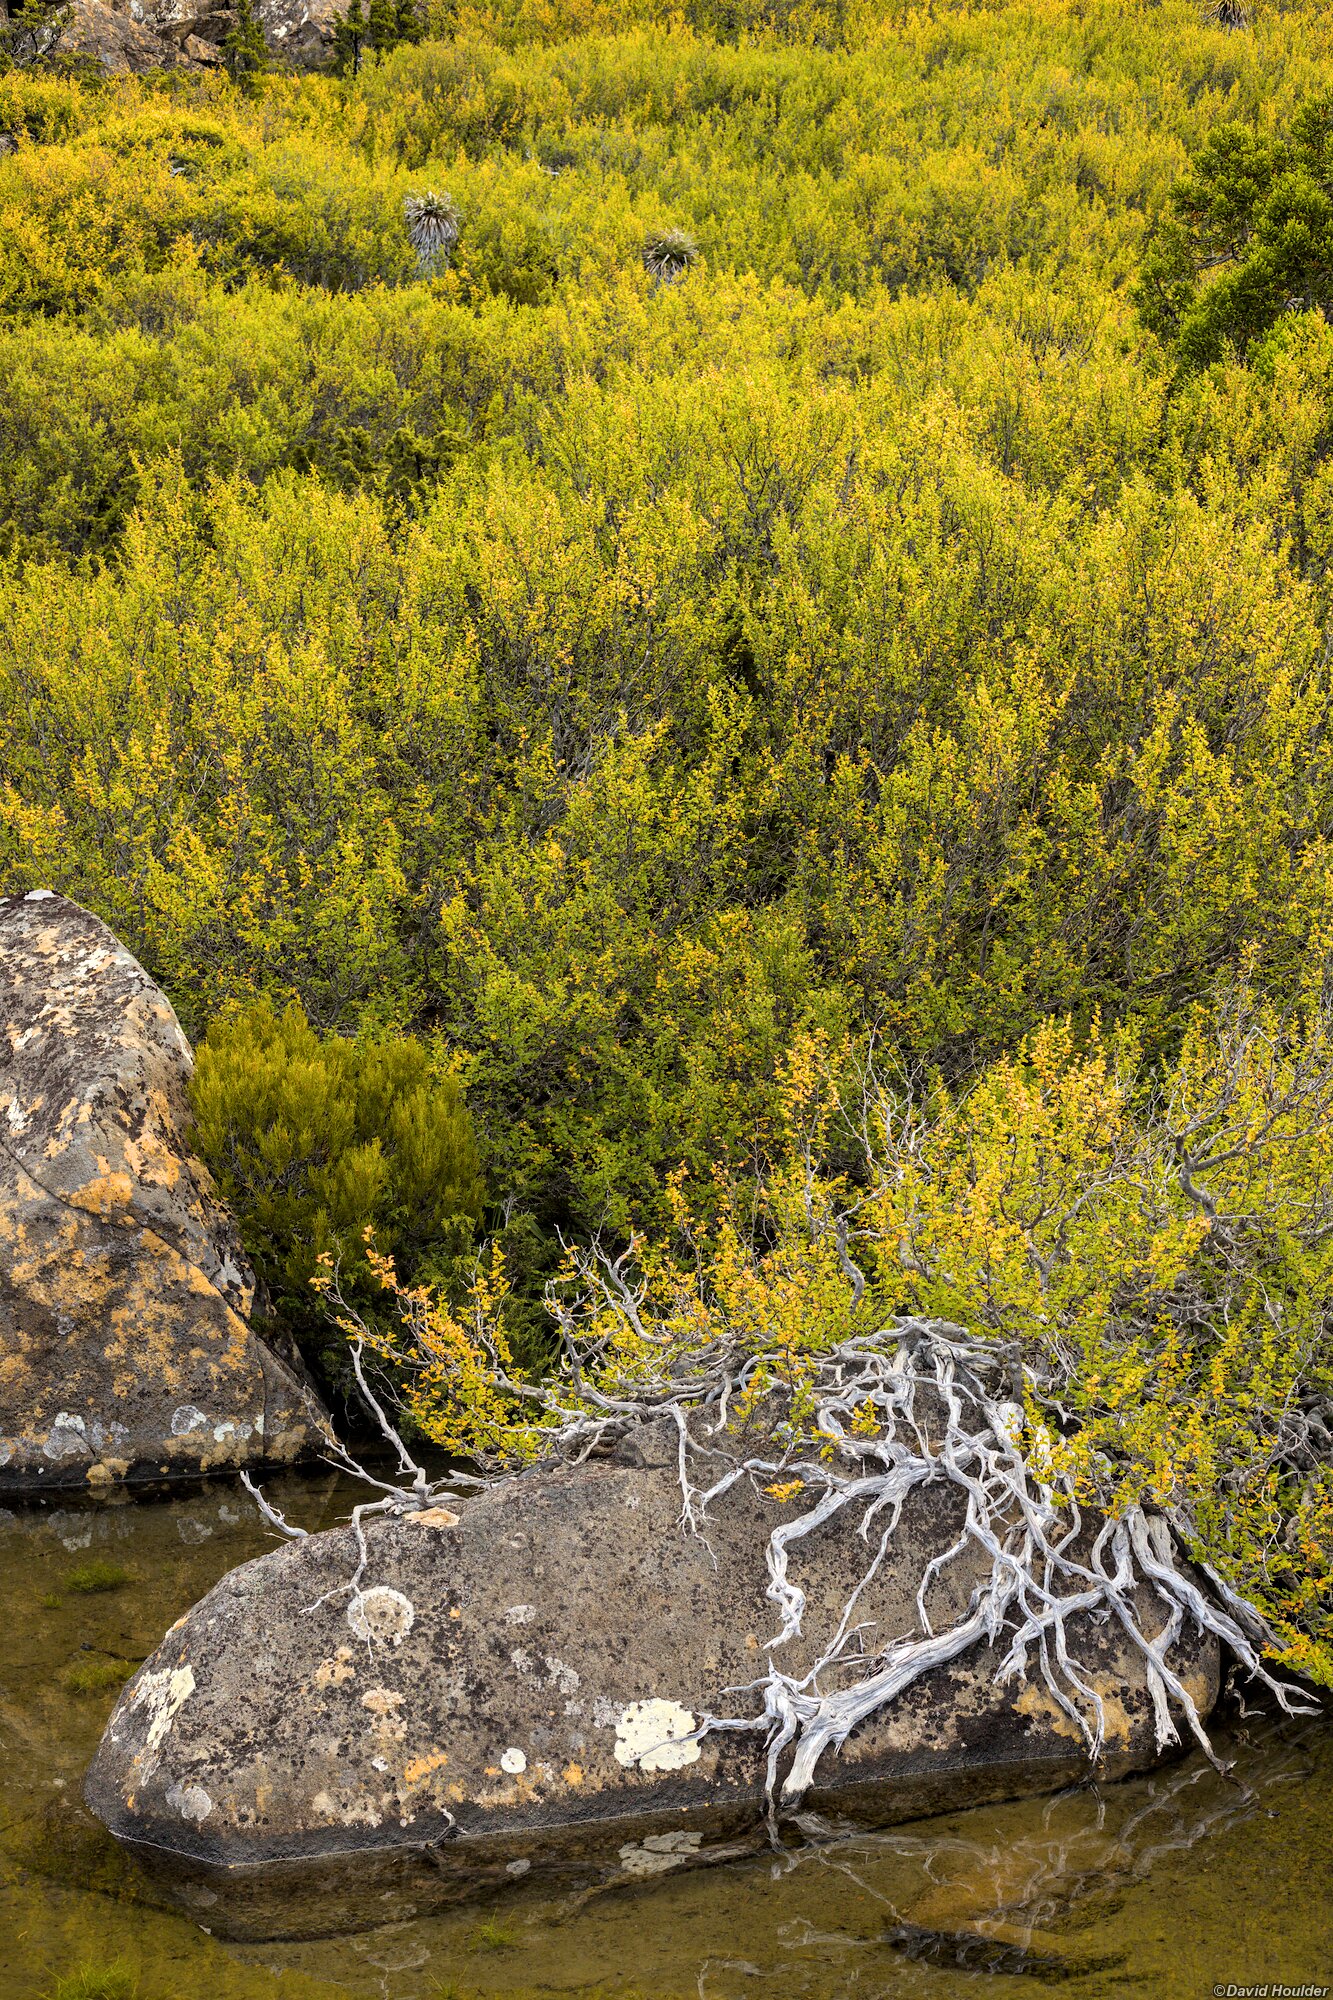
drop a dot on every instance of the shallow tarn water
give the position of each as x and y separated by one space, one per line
1182 1884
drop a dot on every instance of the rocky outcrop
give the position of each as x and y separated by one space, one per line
139 35
517 1687
301 31
117 37
125 1346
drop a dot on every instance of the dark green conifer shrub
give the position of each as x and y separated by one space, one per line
351 34
314 1139
358 32
30 33
245 53
1247 238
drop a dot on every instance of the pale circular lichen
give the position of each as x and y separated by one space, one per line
381 1615
513 1761
649 1734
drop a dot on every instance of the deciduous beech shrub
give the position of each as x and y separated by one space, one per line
878 641
1153 1253
313 1140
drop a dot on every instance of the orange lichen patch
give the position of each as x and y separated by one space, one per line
573 1774
333 1673
1040 1706
381 1701
432 1517
107 1471
421 1767
105 1196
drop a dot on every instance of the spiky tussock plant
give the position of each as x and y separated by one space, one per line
668 255
433 223
1228 13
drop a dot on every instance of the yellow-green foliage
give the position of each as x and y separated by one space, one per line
95 1676
114 1981
1155 1253
315 1140
866 636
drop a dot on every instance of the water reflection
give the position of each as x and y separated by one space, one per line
1075 1891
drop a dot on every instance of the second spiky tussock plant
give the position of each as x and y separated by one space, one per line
433 223
668 255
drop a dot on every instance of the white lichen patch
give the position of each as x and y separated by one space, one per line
66 1437
161 1695
520 1614
164 1695
659 1852
513 1762
191 1801
364 1811
649 1734
381 1616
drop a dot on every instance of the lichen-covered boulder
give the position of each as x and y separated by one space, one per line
125 1346
517 1687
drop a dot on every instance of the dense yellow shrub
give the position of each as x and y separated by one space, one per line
865 637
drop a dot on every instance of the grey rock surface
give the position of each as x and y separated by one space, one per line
517 1687
300 31
125 1343
140 35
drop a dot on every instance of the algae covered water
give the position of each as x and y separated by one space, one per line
1180 1884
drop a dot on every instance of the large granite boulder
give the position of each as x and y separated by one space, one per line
515 1687
125 1346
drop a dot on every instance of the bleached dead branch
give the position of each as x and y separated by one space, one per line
916 1404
